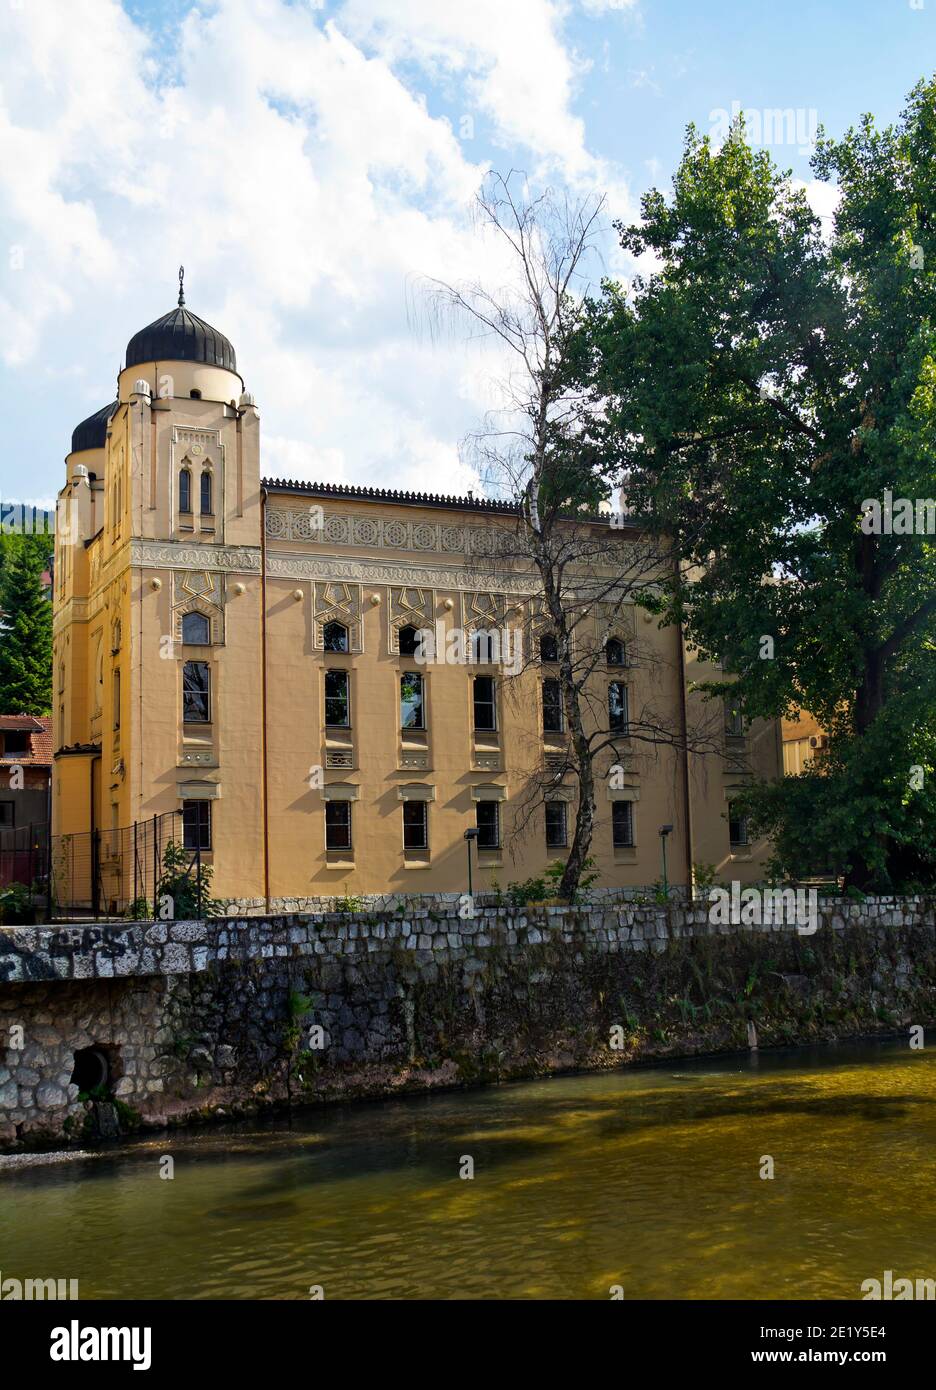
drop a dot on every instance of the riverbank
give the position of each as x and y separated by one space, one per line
185 1022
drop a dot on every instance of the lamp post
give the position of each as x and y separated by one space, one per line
469 836
664 831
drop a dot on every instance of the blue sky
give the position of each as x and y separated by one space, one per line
309 163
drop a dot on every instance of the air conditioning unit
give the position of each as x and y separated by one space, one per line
818 740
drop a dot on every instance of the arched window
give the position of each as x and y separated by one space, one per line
614 652
482 646
196 630
409 641
335 637
549 647
185 491
206 507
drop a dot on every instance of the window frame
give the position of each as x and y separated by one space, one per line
336 651
742 822
620 646
24 751
187 718
422 824
185 481
734 721
496 842
548 660
190 642
623 727
556 706
203 823
476 702
345 676
485 634
420 679
116 695
562 807
630 842
332 807
408 627
11 823
206 481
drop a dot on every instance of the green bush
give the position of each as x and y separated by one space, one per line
530 891
16 905
178 883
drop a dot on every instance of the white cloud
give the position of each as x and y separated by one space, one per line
294 167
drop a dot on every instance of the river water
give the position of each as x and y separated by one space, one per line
648 1179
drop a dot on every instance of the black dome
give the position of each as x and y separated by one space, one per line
92 433
181 337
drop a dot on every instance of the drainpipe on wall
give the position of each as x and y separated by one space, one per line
263 702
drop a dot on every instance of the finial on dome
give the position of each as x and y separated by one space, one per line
181 290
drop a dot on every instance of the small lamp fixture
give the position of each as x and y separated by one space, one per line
470 835
664 831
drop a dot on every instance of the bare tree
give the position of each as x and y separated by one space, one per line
586 573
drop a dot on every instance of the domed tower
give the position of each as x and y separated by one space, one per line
159 603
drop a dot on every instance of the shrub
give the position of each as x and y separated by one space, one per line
16 904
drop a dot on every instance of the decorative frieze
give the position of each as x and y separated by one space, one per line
364 571
242 559
372 531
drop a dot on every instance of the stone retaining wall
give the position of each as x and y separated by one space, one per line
197 1018
412 902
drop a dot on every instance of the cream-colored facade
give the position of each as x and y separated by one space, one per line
233 590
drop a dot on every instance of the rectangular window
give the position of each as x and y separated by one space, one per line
617 707
622 824
734 724
553 722
116 700
485 703
14 742
488 813
555 824
196 825
337 699
737 826
7 813
412 709
196 692
415 825
337 824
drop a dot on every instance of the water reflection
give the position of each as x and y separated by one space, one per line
645 1178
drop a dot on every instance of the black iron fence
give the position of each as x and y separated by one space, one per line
123 872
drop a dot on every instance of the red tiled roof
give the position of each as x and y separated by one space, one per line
40 726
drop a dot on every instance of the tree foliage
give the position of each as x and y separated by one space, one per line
25 627
768 377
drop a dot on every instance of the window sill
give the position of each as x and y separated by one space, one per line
339 859
416 859
740 854
625 854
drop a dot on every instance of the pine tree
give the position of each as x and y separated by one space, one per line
26 634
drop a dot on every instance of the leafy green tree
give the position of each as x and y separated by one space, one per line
771 376
26 631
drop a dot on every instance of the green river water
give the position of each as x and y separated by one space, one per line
644 1178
